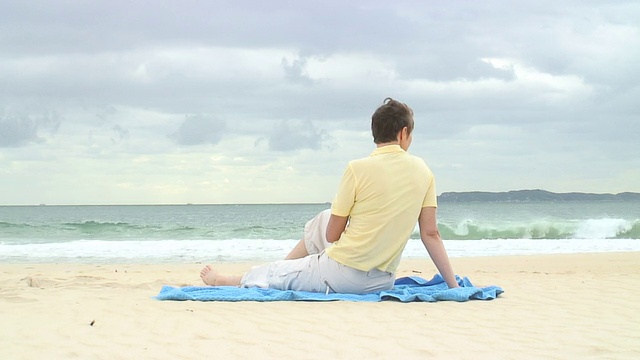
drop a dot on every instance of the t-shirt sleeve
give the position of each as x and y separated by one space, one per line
431 199
343 202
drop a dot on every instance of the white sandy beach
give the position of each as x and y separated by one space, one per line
554 307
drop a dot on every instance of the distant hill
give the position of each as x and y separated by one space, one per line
533 195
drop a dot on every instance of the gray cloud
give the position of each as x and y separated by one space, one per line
120 134
295 135
199 129
103 112
17 132
20 130
294 70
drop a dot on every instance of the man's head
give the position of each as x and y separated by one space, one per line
389 121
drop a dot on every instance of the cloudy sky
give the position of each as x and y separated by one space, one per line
146 102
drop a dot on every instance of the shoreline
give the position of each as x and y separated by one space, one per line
252 262
555 306
249 251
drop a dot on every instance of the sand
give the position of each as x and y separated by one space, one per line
554 307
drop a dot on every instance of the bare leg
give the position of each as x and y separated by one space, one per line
211 277
298 252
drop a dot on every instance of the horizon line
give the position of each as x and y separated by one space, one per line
304 203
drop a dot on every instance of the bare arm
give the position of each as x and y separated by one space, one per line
336 227
435 247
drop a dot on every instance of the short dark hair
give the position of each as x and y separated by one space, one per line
389 119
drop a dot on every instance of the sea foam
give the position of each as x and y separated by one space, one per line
238 250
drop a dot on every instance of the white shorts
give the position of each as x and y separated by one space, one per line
317 272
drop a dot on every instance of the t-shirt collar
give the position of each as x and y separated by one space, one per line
387 149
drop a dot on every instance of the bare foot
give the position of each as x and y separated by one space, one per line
208 275
211 277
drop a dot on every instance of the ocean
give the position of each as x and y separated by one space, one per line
235 233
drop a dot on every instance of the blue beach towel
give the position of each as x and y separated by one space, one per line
406 289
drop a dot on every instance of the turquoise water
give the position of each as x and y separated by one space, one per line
266 232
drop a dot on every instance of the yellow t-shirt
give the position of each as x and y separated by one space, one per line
383 195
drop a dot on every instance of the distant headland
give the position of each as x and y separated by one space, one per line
533 195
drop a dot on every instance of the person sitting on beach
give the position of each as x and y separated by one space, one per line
356 246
